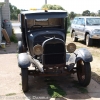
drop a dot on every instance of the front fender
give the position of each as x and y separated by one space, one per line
83 54
79 54
23 60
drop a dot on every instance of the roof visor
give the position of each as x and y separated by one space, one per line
41 14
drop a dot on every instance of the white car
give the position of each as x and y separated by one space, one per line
87 28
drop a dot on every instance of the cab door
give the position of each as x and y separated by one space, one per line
74 25
81 27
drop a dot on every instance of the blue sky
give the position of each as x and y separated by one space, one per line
77 6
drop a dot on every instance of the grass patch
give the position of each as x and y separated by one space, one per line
13 31
13 37
68 31
81 89
54 90
10 94
4 50
68 35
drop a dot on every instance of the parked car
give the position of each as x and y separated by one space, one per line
86 28
43 46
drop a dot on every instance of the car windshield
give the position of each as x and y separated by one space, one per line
92 21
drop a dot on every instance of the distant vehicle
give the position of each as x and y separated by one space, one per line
43 46
86 28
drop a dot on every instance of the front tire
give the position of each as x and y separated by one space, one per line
75 39
88 40
83 73
24 73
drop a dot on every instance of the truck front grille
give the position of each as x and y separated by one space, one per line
54 54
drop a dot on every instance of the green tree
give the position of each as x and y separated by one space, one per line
78 14
92 14
52 7
56 7
14 11
72 15
98 12
86 13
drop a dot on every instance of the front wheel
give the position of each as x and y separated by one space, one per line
83 73
88 40
75 39
24 74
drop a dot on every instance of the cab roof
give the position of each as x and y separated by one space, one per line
40 14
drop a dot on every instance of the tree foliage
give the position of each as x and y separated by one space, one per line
52 7
86 13
99 12
92 14
72 15
14 11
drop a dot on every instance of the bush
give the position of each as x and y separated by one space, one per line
13 37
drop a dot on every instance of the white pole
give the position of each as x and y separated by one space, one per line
45 2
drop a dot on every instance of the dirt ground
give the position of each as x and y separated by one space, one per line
10 80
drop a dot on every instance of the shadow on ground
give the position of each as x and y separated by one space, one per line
38 88
11 48
96 43
96 77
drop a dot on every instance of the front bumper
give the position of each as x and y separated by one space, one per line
96 36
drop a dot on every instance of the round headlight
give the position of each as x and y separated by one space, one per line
71 47
37 49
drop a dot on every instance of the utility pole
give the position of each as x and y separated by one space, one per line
45 2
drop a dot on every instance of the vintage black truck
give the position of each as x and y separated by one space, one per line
44 46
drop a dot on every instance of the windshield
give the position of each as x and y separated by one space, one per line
45 23
92 21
